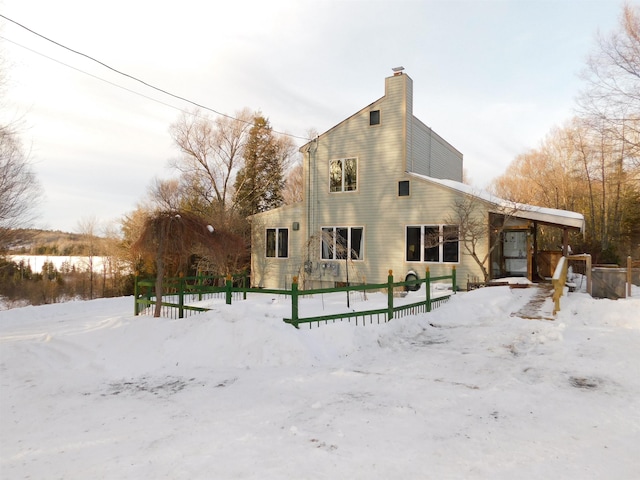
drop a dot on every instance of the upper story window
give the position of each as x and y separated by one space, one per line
343 175
339 243
374 117
403 188
432 243
277 242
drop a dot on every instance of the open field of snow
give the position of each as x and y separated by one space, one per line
468 391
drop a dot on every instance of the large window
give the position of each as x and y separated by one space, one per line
339 243
432 243
277 242
343 175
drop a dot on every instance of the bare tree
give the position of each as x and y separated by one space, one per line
478 228
88 228
20 191
114 261
211 155
166 194
612 96
294 187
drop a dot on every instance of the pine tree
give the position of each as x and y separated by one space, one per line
260 182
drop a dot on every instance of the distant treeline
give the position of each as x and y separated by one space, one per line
20 284
46 242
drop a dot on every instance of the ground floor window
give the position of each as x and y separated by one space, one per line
339 243
432 243
277 242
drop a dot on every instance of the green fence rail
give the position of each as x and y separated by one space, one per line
381 314
180 291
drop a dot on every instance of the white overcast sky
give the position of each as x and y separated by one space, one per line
492 77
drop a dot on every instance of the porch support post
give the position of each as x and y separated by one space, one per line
565 242
533 272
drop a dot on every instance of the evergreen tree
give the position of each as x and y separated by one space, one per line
260 182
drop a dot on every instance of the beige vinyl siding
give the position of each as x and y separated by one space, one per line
382 152
376 206
379 150
276 272
433 204
386 226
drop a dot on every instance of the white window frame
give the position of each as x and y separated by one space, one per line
342 170
440 245
334 256
277 242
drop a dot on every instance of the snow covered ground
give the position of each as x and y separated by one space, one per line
468 391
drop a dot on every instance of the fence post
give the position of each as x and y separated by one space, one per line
244 285
453 278
136 308
629 276
390 295
294 301
427 285
588 273
228 287
181 295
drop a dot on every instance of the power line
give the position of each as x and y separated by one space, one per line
97 77
135 79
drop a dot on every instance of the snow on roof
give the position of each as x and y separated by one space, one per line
521 210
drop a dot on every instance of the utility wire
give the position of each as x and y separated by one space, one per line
135 78
97 77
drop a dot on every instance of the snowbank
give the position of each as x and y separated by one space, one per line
467 391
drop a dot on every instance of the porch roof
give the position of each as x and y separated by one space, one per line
548 216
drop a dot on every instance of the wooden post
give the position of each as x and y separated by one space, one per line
533 266
565 242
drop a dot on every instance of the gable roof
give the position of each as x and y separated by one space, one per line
549 216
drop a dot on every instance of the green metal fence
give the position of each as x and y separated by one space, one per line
180 291
374 315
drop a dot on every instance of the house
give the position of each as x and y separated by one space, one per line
382 191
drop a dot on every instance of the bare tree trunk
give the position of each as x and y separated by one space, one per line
159 289
592 209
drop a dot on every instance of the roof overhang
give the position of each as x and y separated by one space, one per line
551 216
542 215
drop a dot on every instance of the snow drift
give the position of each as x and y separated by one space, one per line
466 391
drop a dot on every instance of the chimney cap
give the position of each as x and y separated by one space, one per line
397 70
